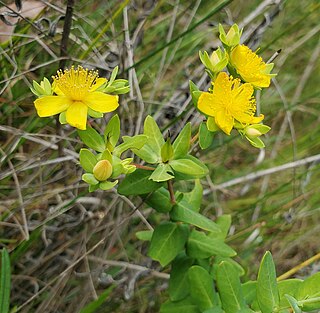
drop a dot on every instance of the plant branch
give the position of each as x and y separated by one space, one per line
171 191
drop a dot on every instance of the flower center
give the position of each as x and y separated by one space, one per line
75 83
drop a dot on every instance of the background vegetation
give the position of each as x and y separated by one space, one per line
66 245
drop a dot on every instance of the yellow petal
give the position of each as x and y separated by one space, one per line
205 102
98 83
56 89
51 105
76 115
101 102
224 121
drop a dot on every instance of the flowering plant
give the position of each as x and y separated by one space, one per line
204 276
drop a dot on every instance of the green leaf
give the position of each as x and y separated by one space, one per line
107 185
182 143
138 183
184 306
166 151
112 131
144 235
90 179
205 136
211 124
249 290
308 291
94 113
294 304
5 282
195 92
190 166
201 292
155 138
134 143
219 259
182 213
267 289
162 173
159 200
288 286
96 304
201 246
224 222
92 139
87 160
256 142
179 282
194 197
229 287
113 75
167 241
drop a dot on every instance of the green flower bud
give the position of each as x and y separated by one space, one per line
232 38
102 170
255 130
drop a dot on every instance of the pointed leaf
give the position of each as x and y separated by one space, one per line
182 143
267 289
201 246
201 292
87 160
138 183
107 185
224 222
144 235
190 167
179 282
288 286
159 200
229 287
155 138
162 173
92 139
249 290
166 151
112 131
294 304
308 291
167 241
134 143
194 197
182 213
205 136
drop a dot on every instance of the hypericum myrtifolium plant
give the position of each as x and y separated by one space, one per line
204 277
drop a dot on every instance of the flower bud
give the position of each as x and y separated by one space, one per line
102 170
232 38
255 130
252 133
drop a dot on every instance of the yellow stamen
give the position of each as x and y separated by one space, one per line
75 83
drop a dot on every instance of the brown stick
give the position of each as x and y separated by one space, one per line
63 53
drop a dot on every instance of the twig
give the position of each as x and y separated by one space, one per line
299 267
171 191
258 174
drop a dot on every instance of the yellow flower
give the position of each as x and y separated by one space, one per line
76 91
251 67
229 102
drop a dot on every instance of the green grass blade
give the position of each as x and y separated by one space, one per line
94 305
194 26
5 280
